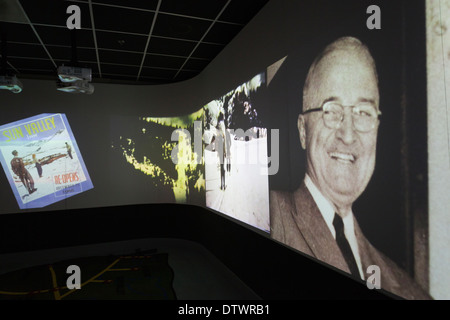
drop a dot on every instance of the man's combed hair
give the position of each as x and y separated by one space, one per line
344 43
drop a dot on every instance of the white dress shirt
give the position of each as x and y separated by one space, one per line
328 212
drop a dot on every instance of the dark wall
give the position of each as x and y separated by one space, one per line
272 270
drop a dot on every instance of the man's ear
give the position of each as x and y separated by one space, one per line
302 130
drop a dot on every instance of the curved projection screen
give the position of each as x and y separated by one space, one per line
322 148
216 156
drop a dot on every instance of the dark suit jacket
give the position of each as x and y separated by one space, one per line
296 221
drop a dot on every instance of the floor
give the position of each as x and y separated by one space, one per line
199 275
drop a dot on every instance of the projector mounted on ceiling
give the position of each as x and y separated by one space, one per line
74 80
72 74
11 83
79 86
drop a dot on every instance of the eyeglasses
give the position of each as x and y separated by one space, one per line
364 115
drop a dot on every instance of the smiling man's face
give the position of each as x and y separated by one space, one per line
340 161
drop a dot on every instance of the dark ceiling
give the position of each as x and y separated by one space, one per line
122 41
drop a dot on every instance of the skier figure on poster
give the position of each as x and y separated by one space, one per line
69 150
38 165
19 169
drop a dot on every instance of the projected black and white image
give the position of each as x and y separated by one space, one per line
341 128
236 155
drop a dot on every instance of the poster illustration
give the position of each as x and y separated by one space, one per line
42 161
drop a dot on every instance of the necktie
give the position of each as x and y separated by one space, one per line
345 246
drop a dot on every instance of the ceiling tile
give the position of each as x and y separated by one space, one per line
152 60
120 57
180 27
65 53
42 72
28 64
26 50
125 20
63 36
139 4
121 41
170 47
117 69
19 32
195 8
